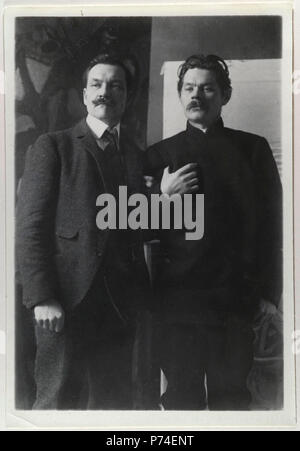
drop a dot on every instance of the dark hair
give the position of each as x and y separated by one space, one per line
112 59
209 62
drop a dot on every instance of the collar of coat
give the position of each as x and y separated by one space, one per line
214 129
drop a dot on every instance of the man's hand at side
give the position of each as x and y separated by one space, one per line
267 307
182 181
50 316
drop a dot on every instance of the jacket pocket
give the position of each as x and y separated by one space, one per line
67 233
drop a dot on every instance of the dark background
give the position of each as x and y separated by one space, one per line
51 54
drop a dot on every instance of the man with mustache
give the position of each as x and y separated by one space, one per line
85 286
209 290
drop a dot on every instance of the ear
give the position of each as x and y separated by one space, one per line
226 96
84 96
179 96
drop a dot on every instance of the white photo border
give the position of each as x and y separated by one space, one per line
107 420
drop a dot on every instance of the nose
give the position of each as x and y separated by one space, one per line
197 92
104 90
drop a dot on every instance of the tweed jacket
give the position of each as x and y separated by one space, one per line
59 247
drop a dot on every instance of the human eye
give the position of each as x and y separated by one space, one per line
117 85
95 84
209 89
188 88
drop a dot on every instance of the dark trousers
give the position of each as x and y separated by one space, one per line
89 364
207 365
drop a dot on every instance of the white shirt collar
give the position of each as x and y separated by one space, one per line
98 127
203 129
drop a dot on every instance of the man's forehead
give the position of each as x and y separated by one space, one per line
199 75
102 70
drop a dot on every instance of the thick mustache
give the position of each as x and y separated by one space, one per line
196 103
103 101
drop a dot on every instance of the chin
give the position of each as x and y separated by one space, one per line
99 115
198 118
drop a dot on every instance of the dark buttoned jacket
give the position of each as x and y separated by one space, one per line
239 259
59 247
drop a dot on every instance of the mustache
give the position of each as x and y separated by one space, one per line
103 101
195 104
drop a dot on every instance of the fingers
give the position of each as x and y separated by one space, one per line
166 182
189 177
194 189
52 325
263 308
187 168
40 323
193 185
53 321
60 324
45 324
182 181
194 181
267 307
189 189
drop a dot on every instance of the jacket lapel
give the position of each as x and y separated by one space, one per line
88 144
130 153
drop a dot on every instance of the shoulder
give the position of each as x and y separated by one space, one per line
49 147
159 154
246 142
52 139
165 147
59 142
254 148
244 137
168 143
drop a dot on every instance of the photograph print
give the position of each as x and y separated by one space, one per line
149 213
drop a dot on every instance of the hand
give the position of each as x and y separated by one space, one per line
183 181
50 316
267 308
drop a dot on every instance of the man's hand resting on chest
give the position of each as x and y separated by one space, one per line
50 316
182 181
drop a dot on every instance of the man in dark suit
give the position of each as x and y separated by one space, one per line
210 289
85 286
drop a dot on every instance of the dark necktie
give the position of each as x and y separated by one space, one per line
113 160
116 177
110 140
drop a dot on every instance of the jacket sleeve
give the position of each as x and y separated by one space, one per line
36 207
269 223
153 166
155 161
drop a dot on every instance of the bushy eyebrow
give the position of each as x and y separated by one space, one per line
93 80
209 83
